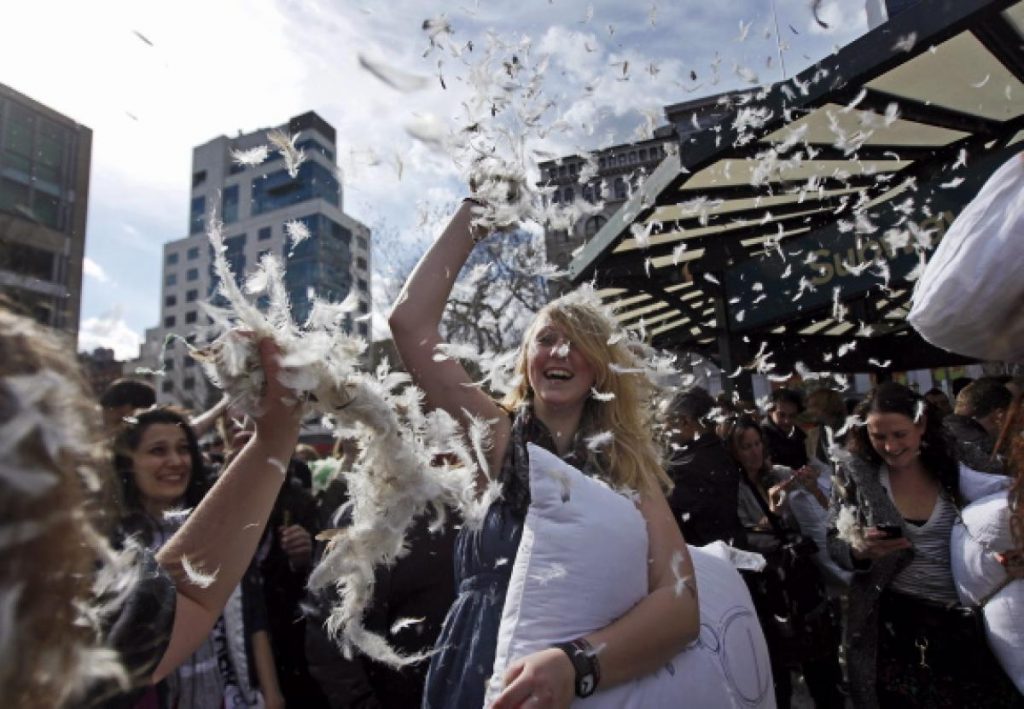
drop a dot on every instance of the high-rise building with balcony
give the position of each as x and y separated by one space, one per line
254 202
44 187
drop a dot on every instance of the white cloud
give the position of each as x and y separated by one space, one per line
215 68
94 270
109 330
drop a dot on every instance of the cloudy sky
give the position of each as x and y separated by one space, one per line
152 80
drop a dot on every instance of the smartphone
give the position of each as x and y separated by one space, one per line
891 531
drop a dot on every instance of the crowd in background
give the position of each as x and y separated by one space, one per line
849 619
760 480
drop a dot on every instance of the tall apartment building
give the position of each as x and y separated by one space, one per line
620 170
254 203
44 190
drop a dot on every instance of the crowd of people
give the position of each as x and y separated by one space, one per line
217 524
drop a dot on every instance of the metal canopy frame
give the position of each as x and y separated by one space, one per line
795 222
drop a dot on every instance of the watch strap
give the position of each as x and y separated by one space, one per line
584 662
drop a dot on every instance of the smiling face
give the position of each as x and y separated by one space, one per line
161 466
559 374
895 437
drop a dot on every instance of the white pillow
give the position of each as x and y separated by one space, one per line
975 484
985 531
968 298
582 563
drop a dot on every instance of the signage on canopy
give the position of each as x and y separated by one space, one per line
829 258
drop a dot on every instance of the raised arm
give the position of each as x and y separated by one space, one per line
415 325
205 421
222 533
653 632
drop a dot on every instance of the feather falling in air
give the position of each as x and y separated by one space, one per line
285 145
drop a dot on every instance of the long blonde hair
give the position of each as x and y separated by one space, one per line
631 459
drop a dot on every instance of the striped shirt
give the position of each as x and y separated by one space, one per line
929 575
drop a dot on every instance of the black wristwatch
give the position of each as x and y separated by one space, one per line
584 662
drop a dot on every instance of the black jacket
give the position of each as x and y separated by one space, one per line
705 498
788 449
421 585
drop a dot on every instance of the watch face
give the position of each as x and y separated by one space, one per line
586 687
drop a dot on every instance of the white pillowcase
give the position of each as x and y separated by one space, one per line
984 532
582 563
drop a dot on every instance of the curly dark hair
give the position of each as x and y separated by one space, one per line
936 450
129 436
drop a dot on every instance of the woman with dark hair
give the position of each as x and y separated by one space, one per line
789 595
82 626
160 465
897 496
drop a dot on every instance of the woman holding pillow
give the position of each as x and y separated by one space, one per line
573 385
896 499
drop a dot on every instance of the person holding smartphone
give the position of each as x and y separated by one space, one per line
897 496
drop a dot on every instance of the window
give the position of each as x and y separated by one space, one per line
193 253
361 263
171 259
169 321
568 195
167 387
229 204
364 308
620 188
198 178
189 363
360 242
593 225
49 153
13 195
189 383
192 274
364 330
191 296
643 154
28 260
169 364
171 279
277 189
311 145
170 301
363 286
264 233
46 209
602 162
190 317
197 214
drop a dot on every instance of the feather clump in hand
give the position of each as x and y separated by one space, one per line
410 461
